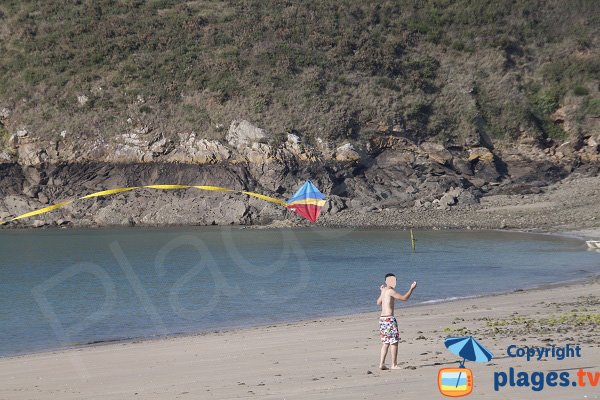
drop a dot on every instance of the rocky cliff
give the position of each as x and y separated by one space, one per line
387 172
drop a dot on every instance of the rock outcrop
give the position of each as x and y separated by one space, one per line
388 172
346 152
242 134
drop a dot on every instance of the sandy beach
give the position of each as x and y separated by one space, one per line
331 358
200 200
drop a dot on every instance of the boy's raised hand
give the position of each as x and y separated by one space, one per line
413 285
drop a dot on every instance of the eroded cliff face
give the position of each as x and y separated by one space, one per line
387 172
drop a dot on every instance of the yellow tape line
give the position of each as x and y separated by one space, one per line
127 189
222 189
266 198
41 211
107 192
167 187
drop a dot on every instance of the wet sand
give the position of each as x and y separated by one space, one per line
331 358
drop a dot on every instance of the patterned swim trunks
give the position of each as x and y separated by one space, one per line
388 330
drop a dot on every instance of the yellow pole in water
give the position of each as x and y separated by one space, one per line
413 240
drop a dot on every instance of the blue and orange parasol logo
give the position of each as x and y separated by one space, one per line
458 382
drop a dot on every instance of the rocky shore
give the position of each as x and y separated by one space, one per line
569 204
389 180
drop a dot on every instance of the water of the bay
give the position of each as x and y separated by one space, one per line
60 288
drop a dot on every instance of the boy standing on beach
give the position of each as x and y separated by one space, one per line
388 326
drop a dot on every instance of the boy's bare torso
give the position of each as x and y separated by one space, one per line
387 302
389 295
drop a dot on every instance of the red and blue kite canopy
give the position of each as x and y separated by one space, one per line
307 201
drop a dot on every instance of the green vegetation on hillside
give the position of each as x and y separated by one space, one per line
343 69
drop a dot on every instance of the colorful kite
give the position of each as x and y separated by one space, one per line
307 201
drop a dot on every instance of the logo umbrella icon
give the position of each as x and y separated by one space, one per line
449 379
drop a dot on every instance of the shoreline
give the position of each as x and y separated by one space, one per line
595 277
586 233
332 357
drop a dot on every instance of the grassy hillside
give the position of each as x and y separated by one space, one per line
343 69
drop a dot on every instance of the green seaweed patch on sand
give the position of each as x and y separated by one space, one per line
572 319
462 330
562 323
579 324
